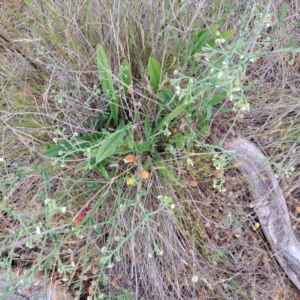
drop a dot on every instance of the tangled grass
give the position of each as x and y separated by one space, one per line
187 231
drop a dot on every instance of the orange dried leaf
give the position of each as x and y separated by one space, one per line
57 282
91 290
219 175
129 159
114 282
193 183
28 292
81 215
145 175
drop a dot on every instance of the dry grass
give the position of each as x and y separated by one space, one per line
135 246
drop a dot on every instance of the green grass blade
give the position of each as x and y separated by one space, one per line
147 127
106 81
125 76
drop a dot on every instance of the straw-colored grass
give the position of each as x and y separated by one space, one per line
171 235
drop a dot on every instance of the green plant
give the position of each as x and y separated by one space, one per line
105 161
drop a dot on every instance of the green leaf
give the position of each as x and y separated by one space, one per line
104 70
147 127
81 166
155 73
208 113
165 95
166 173
145 146
148 163
108 147
171 115
54 150
226 35
125 76
129 138
103 171
179 141
202 38
200 41
216 99
105 78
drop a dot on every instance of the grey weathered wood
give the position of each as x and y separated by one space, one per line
269 205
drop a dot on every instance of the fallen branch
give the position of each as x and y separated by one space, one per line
269 205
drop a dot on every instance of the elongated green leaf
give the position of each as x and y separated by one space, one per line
208 113
55 150
103 171
202 38
166 173
165 95
125 76
171 115
155 73
81 166
105 78
226 35
215 100
109 146
104 70
147 127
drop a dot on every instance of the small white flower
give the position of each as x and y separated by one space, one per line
63 210
220 41
172 206
1 159
38 230
195 278
37 283
190 162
